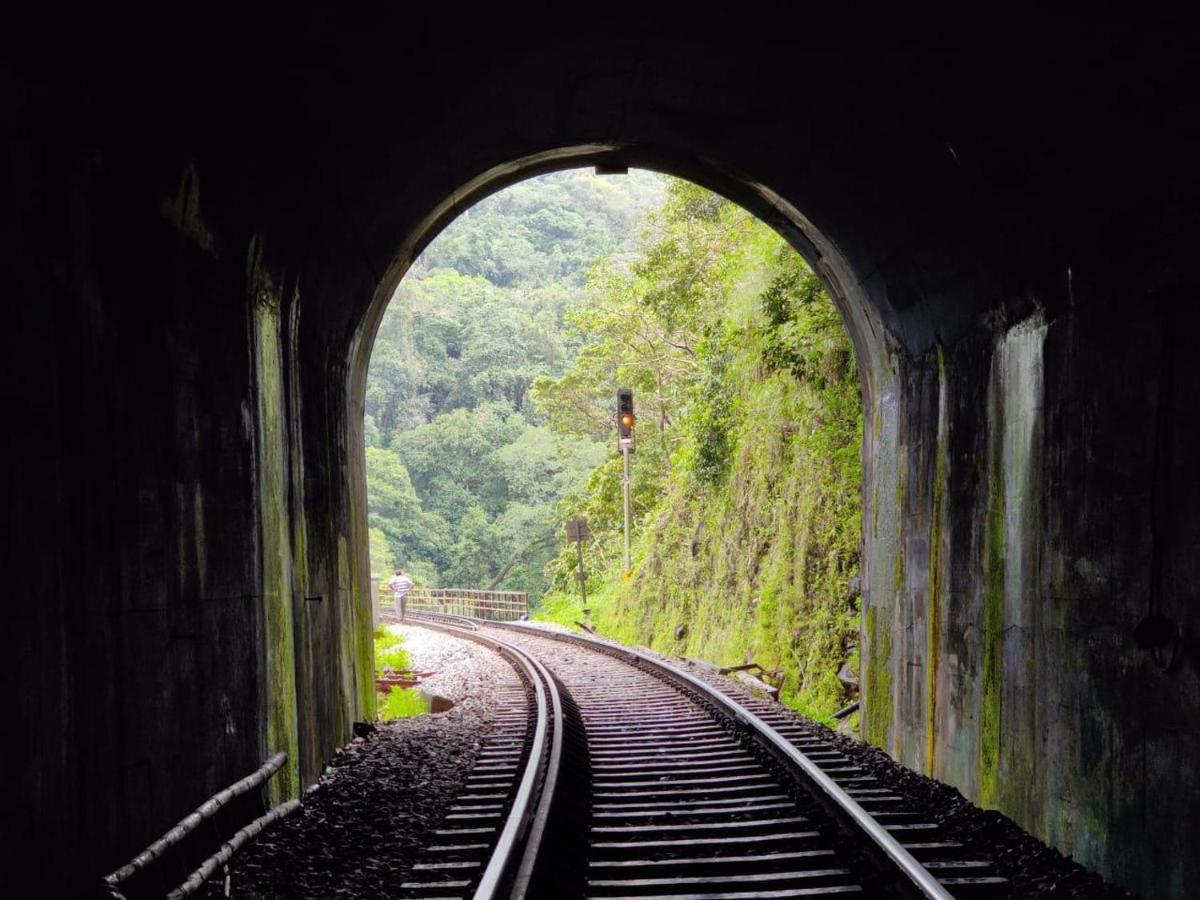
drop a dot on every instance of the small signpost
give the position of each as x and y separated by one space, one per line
577 531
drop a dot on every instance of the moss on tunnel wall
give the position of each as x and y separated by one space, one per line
282 728
883 562
934 612
877 680
992 672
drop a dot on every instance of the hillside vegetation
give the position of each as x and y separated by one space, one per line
747 470
463 476
491 421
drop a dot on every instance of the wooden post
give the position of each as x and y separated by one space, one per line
577 531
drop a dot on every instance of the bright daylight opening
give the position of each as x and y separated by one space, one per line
495 437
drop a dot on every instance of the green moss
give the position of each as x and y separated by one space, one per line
364 610
993 618
363 606
280 657
933 614
898 559
878 680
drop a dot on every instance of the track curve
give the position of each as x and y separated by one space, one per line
677 789
489 844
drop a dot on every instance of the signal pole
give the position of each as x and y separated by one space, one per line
625 485
625 422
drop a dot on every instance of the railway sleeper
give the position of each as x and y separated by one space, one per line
681 814
716 845
723 828
760 881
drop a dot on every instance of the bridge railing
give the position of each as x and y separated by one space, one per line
498 606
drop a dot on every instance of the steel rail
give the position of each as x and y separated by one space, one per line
912 877
444 618
514 857
537 825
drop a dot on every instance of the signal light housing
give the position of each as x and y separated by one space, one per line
626 420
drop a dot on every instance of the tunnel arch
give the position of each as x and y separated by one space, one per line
845 288
858 317
955 192
872 346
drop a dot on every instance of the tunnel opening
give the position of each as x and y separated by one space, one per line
489 421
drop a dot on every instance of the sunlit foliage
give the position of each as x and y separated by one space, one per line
747 472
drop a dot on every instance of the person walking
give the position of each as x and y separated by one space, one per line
400 584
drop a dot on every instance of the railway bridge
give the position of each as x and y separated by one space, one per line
204 218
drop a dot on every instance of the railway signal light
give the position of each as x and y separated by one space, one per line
626 420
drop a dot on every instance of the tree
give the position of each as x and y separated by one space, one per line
381 553
471 561
412 533
478 318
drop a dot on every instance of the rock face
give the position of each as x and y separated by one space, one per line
849 678
195 257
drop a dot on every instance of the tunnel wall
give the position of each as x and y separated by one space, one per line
1012 551
178 609
197 256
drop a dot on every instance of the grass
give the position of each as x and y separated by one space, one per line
389 652
400 703
562 609
403 703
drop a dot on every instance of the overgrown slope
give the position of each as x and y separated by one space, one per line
747 475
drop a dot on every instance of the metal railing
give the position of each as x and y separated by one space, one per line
206 811
495 606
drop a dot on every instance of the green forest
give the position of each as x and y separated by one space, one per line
464 472
490 421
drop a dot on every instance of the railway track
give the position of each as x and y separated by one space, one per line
614 774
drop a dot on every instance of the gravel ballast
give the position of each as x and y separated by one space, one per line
361 829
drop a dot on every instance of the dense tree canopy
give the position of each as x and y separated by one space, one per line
463 475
